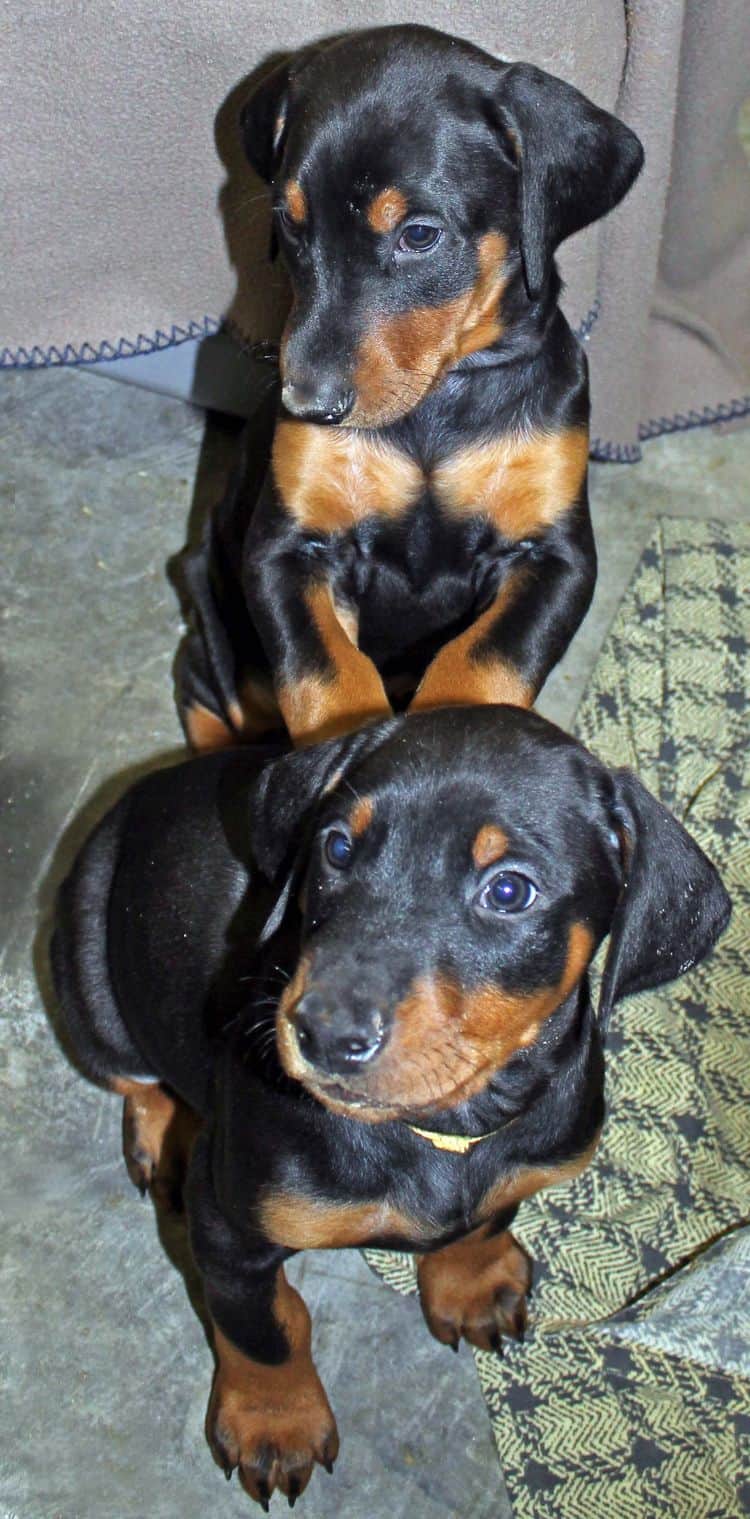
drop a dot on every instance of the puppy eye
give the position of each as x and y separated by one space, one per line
338 849
508 892
419 238
289 228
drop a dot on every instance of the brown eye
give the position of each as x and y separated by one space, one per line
290 228
419 237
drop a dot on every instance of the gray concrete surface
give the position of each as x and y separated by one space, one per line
105 1365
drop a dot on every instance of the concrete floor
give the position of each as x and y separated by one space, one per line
106 1367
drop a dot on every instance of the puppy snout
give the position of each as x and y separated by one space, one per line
316 398
337 1037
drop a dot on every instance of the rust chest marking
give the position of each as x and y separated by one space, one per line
330 478
520 484
306 1223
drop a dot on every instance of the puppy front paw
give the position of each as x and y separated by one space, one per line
273 1425
476 1288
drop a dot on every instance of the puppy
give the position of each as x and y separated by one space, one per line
363 968
414 525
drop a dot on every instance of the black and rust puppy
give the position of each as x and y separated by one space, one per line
418 517
393 1043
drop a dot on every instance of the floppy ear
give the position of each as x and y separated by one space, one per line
576 162
264 116
263 119
672 906
285 796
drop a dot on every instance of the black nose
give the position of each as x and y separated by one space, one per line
337 1039
316 400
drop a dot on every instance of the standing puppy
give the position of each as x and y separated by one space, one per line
417 518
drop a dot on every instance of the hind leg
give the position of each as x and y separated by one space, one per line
158 1130
215 715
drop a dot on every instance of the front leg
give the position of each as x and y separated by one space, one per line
324 684
532 491
477 1287
268 1415
507 654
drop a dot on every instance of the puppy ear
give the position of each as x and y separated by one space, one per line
576 162
263 119
284 799
672 907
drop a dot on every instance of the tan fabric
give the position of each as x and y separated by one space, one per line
631 1395
113 190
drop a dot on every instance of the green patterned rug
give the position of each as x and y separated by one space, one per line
631 1395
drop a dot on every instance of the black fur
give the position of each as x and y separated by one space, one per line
480 148
157 951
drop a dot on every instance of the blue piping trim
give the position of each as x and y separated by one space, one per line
125 348
584 329
630 453
89 353
601 451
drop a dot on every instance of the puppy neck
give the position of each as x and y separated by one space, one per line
527 325
561 1052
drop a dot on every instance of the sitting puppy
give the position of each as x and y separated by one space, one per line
418 516
391 1045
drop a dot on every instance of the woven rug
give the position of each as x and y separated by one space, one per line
631 1395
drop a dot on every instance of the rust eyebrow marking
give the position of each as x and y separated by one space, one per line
490 844
387 209
361 815
296 201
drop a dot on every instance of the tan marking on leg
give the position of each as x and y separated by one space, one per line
158 1130
329 479
477 1288
490 844
458 675
521 485
295 201
317 707
387 209
307 1223
205 730
256 710
273 1422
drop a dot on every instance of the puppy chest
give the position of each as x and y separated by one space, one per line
433 1198
416 578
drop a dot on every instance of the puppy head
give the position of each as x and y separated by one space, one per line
420 191
460 868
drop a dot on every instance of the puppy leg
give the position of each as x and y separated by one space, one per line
476 1287
325 685
268 1414
158 1130
506 655
213 713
